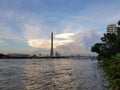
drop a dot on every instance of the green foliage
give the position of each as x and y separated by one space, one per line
109 46
112 69
109 52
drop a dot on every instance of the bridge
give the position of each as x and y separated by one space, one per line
70 57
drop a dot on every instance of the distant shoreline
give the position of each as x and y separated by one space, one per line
59 57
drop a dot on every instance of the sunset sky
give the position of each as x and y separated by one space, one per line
26 25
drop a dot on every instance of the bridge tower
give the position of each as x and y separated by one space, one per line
51 51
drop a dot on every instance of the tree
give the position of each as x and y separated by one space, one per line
110 45
119 22
107 47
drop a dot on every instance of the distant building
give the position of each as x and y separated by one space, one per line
57 54
112 28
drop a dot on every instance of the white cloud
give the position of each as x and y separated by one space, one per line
39 43
25 25
32 31
59 39
45 43
64 35
2 42
7 33
78 43
81 44
76 36
62 42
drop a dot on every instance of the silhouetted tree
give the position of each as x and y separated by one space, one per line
1 55
119 22
110 45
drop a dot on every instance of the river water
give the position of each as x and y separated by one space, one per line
51 74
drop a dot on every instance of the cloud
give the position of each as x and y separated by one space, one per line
77 43
81 44
2 42
16 26
59 39
6 32
39 43
64 35
46 43
75 38
32 31
73 30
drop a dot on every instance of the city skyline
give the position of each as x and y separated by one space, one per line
25 25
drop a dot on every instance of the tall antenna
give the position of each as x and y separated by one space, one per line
51 52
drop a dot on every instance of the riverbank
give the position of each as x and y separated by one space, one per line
112 71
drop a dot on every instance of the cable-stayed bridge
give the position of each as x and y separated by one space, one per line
70 57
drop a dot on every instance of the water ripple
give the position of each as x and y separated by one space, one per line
48 74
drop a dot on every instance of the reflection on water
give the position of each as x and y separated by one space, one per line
48 74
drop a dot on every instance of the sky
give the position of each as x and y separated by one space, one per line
26 25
